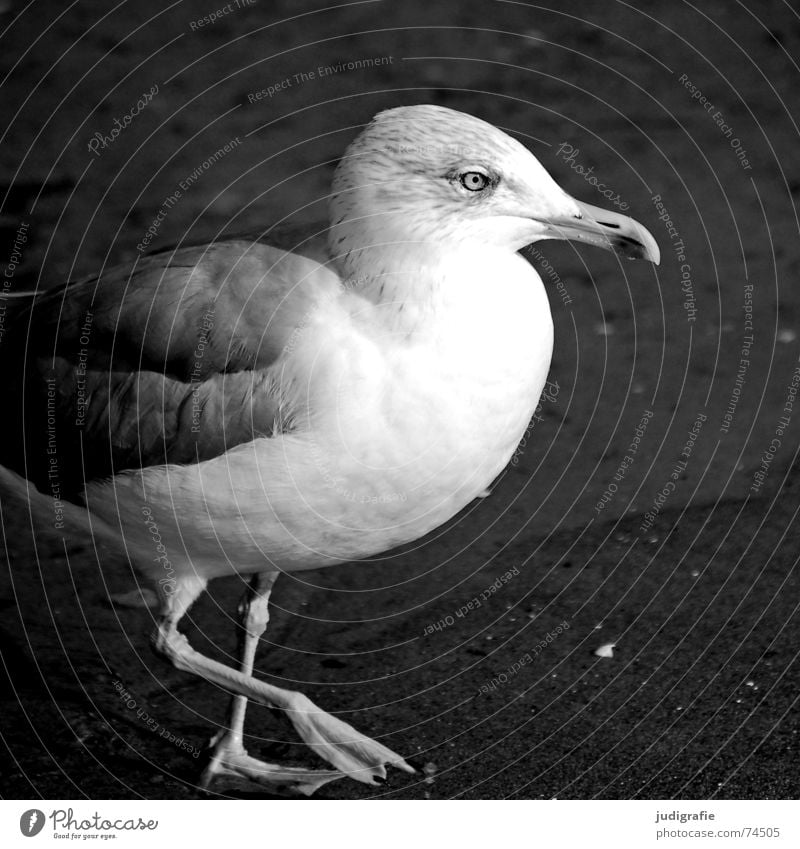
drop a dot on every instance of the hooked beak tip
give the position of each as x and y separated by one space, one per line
609 230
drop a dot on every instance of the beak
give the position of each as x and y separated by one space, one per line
608 230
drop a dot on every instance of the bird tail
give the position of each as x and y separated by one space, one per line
26 296
49 513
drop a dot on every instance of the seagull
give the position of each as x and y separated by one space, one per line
237 408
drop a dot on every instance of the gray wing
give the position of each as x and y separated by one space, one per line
170 360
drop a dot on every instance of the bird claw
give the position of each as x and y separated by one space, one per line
231 759
352 753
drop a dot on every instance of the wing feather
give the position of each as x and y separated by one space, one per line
172 360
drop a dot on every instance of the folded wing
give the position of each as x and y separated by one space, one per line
173 360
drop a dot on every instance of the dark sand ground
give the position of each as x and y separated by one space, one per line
700 697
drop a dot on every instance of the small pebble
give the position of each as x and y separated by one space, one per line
606 650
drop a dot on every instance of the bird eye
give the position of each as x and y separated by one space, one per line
474 181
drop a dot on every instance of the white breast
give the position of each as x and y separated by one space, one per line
406 429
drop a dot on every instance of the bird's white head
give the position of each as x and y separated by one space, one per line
430 176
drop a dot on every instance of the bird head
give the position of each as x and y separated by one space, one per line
430 175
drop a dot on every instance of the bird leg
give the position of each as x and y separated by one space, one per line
335 741
254 614
229 756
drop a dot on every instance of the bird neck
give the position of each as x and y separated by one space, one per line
435 294
386 256
406 284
